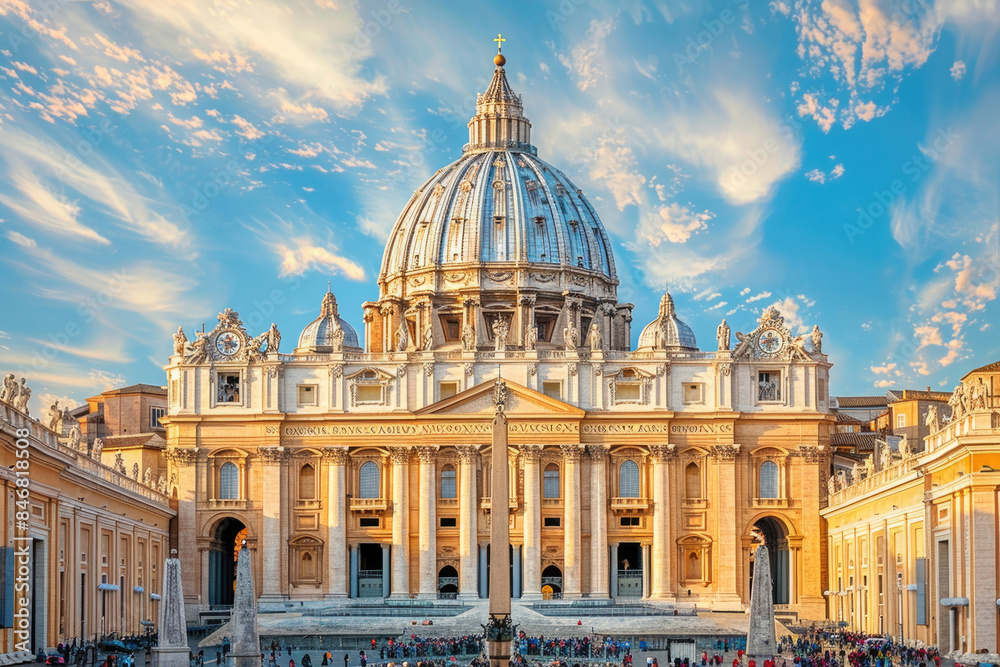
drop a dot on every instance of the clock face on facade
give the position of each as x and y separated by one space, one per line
227 343
770 341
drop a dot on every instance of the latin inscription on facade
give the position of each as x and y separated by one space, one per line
423 429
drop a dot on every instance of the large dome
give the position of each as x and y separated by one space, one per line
498 207
497 241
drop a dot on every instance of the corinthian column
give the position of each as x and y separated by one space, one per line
273 530
728 597
400 524
426 525
336 521
532 523
660 582
467 513
571 519
598 521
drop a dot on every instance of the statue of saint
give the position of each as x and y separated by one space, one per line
95 453
273 340
500 331
180 341
135 472
74 437
55 416
831 485
722 335
147 476
8 391
531 337
571 337
199 348
120 464
594 338
402 337
931 419
817 339
855 473
468 338
23 394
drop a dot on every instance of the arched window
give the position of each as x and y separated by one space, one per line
307 482
628 480
768 479
692 481
550 486
229 481
369 475
448 482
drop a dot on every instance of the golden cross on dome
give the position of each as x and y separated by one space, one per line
499 40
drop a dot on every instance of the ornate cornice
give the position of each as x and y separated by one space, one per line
666 452
336 455
181 456
725 452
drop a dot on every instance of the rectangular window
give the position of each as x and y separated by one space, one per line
308 394
628 392
629 521
227 387
693 393
368 393
821 391
452 328
901 420
447 390
551 522
552 389
154 416
449 522
769 386
546 324
368 522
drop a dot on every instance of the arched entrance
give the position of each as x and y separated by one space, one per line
226 541
448 583
551 583
775 537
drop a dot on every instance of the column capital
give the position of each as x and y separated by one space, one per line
427 453
571 452
598 453
531 453
812 454
662 453
181 456
399 455
725 452
335 455
467 453
272 455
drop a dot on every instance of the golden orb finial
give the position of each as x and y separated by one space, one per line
498 59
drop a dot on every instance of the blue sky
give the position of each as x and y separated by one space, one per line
162 160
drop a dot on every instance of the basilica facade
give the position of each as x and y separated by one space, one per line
358 466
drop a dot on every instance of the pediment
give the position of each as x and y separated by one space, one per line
521 401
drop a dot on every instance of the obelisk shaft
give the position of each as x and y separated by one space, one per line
760 637
172 649
246 637
499 630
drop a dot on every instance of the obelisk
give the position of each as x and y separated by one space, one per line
172 646
246 638
760 637
499 630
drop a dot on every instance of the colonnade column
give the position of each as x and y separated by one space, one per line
336 521
659 563
532 523
354 570
484 573
386 579
516 564
273 529
598 521
571 519
727 598
427 524
614 569
400 523
467 520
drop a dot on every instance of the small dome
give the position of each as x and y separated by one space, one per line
667 331
328 332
